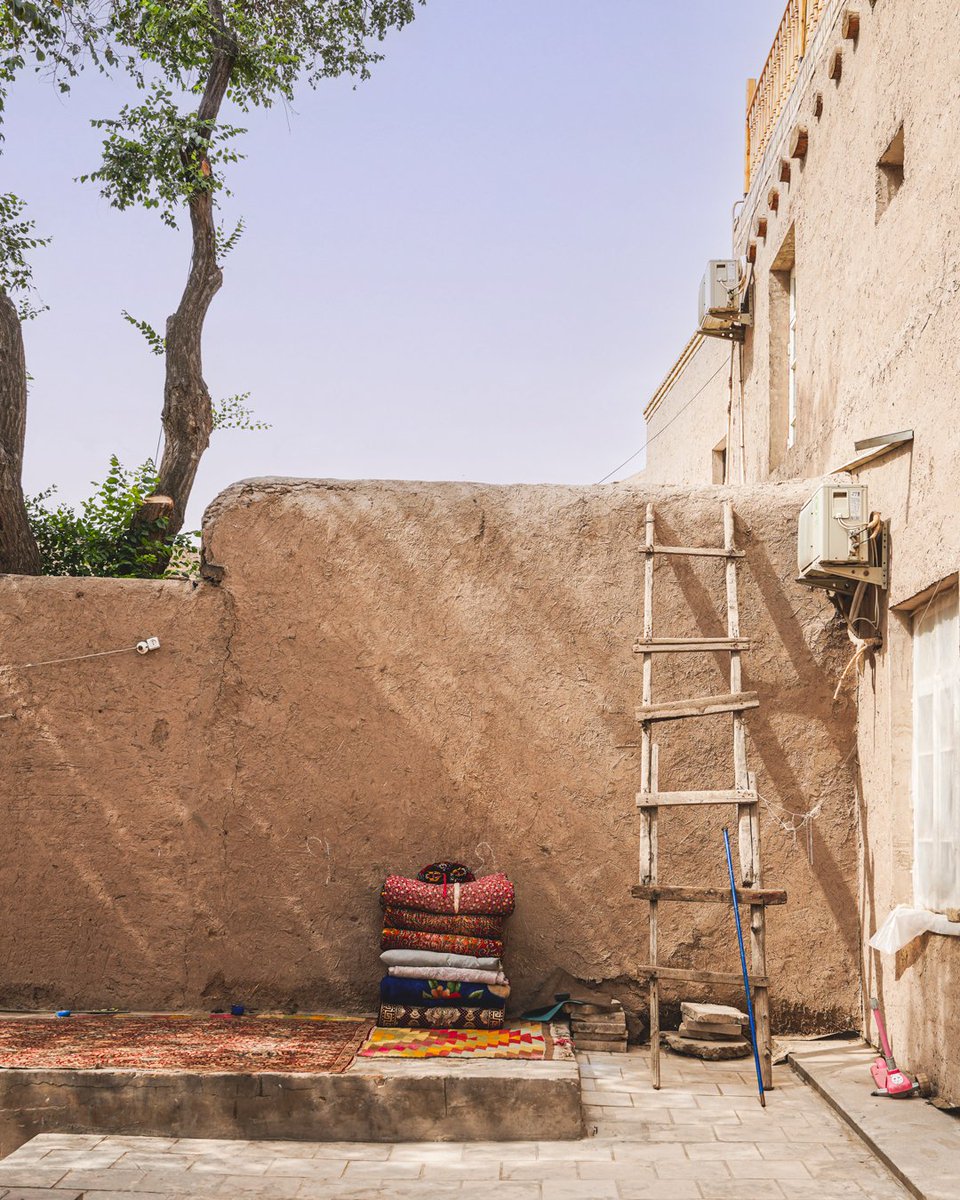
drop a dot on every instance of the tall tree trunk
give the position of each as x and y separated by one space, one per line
18 547
187 411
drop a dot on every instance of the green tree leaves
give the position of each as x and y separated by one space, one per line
156 156
98 540
18 237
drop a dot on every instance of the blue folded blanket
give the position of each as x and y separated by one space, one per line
440 993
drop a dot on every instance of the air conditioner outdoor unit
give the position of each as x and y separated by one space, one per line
721 311
839 544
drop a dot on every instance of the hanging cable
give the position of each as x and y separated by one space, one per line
666 427
142 647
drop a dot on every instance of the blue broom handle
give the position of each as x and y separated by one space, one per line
743 963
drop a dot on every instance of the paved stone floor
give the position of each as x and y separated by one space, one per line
703 1137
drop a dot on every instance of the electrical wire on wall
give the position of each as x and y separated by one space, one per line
144 646
858 623
677 414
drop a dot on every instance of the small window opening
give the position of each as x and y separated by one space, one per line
784 387
792 363
719 461
890 173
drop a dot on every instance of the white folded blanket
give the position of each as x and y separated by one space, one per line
429 958
453 974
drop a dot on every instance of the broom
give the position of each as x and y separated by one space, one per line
743 966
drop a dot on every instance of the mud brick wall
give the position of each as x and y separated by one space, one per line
391 673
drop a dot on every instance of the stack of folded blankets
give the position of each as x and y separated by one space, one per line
442 944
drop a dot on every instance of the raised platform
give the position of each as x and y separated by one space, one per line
373 1100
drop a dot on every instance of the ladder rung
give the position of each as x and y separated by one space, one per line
703 706
684 975
688 645
655 799
702 551
705 895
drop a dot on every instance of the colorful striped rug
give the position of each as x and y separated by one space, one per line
182 1042
518 1039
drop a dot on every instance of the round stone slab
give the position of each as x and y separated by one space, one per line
709 1051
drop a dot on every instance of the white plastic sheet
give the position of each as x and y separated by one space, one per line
905 923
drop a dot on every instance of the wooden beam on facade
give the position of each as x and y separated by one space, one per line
799 142
836 65
850 26
784 175
773 199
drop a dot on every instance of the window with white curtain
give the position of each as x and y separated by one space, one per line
936 761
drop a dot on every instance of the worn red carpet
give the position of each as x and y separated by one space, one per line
168 1042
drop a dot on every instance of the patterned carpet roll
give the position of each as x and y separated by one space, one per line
402 1016
491 894
464 924
459 974
440 943
440 993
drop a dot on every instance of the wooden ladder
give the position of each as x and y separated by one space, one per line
743 795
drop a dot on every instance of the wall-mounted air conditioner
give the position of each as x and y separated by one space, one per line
840 543
723 299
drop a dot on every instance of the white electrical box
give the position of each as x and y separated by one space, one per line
720 307
836 542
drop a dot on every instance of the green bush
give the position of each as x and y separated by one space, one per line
98 540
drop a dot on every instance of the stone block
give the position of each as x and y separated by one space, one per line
712 1014
709 1051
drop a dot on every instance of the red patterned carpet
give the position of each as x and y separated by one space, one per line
168 1042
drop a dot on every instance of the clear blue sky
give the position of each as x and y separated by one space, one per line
478 265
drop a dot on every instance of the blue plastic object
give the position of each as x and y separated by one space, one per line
237 1010
743 966
64 1012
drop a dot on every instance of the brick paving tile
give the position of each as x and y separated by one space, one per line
358 1169
600 1151
41 1194
27 1176
703 1136
541 1170
765 1168
726 1189
575 1190
654 1152
685 1169
483 1173
658 1189
306 1168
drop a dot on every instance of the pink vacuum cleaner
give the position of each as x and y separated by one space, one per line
888 1077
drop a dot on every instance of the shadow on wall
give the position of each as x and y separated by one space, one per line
387 675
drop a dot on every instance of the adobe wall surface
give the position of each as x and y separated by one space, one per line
878 311
878 323
878 327
688 419
391 673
